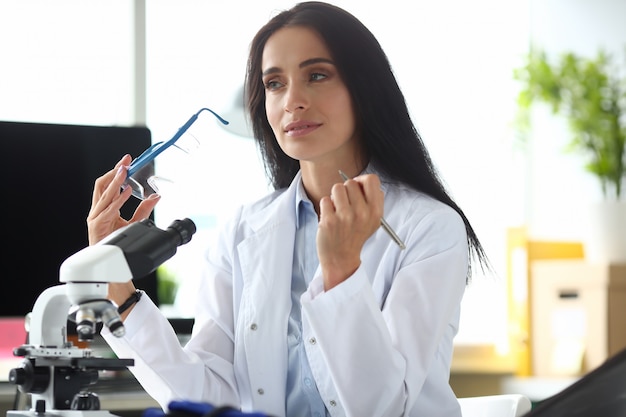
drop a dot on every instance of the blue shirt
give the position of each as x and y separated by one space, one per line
303 398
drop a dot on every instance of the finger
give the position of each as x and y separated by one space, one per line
370 185
144 208
339 197
126 160
354 192
107 192
373 194
110 208
357 207
326 207
102 182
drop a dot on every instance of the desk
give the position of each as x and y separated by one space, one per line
478 370
536 388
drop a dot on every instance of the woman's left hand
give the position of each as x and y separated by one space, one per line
348 217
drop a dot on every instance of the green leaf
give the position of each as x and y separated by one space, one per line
591 95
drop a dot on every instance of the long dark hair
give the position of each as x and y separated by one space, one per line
388 134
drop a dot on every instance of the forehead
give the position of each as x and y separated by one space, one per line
291 46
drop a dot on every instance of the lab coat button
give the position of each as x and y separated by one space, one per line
260 391
312 341
333 403
253 326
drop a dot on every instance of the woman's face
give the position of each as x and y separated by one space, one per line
308 105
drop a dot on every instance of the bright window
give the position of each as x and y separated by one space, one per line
71 61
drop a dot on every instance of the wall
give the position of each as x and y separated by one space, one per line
558 188
71 61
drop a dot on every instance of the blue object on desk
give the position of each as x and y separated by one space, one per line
198 409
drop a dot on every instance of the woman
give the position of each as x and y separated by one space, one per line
306 306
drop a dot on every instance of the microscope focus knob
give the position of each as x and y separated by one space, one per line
30 378
85 401
40 407
17 376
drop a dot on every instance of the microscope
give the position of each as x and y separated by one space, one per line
56 373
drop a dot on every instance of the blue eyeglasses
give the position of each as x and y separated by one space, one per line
141 173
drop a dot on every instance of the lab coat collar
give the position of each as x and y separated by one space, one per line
266 297
266 216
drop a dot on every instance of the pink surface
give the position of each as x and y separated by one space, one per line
12 335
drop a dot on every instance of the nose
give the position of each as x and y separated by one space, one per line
296 98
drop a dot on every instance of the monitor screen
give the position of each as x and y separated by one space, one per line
49 172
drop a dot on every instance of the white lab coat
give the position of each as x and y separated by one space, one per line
379 344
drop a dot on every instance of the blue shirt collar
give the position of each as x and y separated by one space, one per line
301 197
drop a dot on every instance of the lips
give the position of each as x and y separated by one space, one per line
301 128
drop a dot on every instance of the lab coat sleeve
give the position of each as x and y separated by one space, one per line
202 370
372 354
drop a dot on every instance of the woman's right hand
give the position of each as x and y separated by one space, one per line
108 198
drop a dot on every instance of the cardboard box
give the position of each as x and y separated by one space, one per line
578 315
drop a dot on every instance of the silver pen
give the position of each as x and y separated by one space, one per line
383 222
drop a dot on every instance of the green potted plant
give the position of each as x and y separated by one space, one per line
591 95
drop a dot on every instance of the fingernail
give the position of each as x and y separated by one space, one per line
154 196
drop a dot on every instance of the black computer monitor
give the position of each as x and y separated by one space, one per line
48 173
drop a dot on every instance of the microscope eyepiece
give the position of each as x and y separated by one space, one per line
185 228
146 247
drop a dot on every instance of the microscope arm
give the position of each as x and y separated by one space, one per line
100 264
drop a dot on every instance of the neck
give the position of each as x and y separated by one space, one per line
318 179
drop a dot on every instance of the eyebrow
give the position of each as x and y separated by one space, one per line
305 63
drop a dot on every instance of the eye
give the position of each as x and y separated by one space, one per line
317 76
272 84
